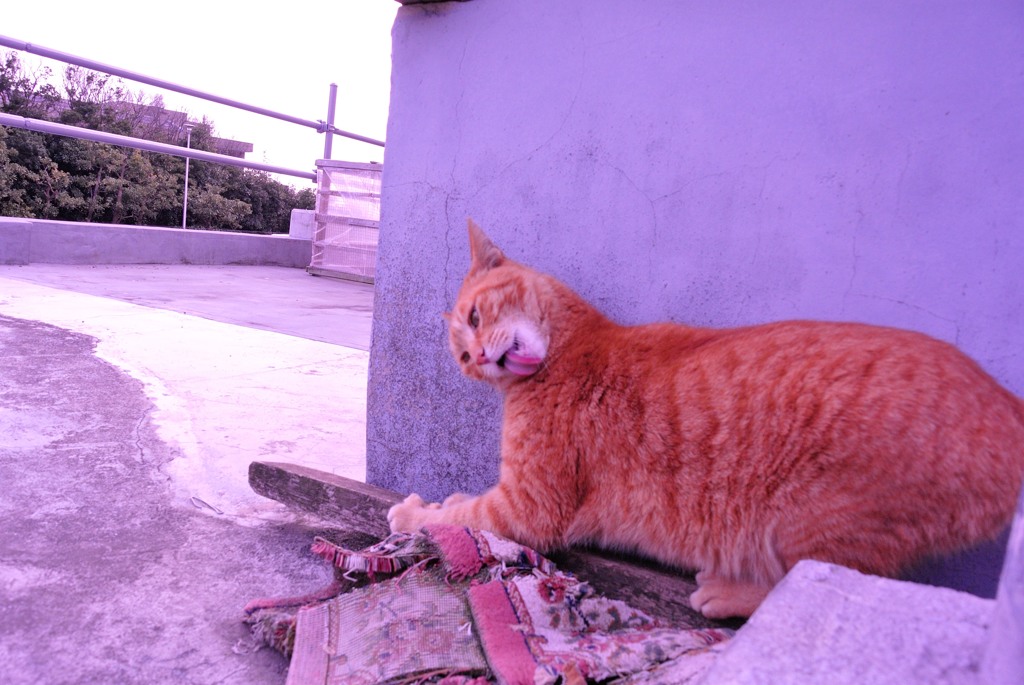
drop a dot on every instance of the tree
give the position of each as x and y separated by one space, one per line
12 191
33 184
272 202
25 93
49 176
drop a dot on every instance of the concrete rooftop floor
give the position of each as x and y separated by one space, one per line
132 399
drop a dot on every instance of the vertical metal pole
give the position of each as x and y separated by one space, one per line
332 102
188 145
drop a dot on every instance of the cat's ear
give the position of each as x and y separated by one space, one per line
483 253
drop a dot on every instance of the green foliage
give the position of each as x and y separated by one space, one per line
271 202
31 183
54 177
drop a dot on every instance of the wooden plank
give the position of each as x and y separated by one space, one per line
659 591
342 501
357 508
342 275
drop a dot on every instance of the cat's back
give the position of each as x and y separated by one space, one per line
803 425
858 363
795 371
848 380
767 354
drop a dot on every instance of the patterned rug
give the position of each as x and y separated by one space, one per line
465 607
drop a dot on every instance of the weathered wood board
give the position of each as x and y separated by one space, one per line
358 508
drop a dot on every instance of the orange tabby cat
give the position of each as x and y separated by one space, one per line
735 452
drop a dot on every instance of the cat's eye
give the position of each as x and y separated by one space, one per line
474 318
465 357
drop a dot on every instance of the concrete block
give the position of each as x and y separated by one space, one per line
830 624
1004 658
302 224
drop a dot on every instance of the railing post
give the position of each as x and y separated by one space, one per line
332 102
188 145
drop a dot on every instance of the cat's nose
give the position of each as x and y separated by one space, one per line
481 357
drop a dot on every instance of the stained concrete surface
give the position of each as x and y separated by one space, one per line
224 394
108 573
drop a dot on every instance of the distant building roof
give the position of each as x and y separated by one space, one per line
234 148
150 119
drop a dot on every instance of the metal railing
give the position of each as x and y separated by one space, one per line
42 126
326 127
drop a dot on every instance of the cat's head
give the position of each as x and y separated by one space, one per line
497 330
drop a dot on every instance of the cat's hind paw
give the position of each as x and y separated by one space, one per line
723 598
408 516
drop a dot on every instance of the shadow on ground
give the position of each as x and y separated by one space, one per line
103 577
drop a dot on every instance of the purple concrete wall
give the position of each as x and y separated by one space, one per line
714 163
39 241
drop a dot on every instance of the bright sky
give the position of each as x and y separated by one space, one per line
280 56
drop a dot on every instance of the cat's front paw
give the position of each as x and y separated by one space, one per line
718 597
456 499
409 515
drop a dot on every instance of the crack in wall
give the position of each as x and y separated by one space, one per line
855 261
582 71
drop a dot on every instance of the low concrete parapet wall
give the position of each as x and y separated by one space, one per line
36 241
